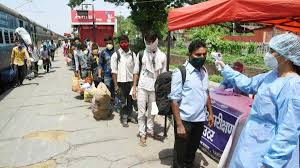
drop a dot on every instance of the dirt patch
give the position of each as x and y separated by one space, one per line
47 135
46 164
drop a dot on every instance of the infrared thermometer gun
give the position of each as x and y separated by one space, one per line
217 57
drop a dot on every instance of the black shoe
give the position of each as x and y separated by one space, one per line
134 121
125 124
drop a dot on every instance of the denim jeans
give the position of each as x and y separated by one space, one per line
108 81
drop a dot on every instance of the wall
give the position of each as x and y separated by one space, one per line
101 33
260 36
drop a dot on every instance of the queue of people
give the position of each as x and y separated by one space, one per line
272 130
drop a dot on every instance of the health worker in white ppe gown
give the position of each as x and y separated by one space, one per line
270 136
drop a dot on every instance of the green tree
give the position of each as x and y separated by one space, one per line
147 14
126 26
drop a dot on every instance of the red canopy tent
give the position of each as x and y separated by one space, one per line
284 14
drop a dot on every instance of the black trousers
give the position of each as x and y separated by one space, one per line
52 54
126 100
20 73
46 63
35 68
185 148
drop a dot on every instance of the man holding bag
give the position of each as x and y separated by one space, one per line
18 56
122 65
153 62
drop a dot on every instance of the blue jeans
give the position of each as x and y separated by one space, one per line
108 81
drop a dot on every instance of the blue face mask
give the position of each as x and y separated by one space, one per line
270 61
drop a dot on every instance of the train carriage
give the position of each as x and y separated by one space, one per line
9 21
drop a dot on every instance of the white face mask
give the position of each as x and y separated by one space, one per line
109 46
151 47
270 61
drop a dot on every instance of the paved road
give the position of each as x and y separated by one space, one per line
43 124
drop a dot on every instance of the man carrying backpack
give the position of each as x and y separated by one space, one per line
122 65
190 100
149 64
105 65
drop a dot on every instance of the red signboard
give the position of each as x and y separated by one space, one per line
101 18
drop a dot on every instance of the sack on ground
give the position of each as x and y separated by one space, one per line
101 107
75 84
88 94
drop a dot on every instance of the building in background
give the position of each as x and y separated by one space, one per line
104 21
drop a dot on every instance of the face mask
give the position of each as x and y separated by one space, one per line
109 46
270 61
124 46
151 47
197 62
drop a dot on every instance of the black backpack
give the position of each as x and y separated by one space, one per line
141 54
162 90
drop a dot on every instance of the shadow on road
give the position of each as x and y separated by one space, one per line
30 84
79 97
4 93
200 161
56 67
166 158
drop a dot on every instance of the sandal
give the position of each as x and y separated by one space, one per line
143 141
155 136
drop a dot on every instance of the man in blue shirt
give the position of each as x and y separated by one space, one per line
105 65
190 101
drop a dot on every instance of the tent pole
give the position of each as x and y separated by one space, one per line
168 50
168 63
274 31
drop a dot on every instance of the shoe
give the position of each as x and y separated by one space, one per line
134 121
155 136
125 124
16 85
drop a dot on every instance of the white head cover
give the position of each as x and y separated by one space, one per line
288 46
24 35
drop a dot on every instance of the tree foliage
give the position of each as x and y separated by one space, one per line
212 35
147 14
126 26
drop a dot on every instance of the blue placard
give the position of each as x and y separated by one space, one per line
214 140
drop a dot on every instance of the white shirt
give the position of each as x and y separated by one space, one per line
152 65
124 67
